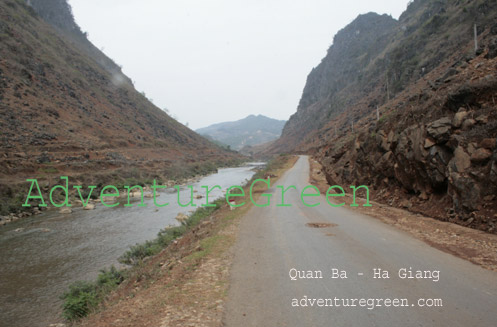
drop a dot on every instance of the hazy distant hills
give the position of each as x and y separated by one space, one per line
251 130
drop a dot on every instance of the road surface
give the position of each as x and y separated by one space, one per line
276 242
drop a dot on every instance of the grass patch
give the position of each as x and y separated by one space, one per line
49 170
275 165
387 116
206 247
84 297
138 252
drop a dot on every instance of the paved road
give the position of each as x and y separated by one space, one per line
274 240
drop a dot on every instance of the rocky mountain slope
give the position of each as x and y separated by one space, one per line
250 131
408 108
67 109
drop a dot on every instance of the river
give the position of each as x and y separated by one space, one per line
41 255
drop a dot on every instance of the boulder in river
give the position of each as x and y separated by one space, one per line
65 210
181 217
136 194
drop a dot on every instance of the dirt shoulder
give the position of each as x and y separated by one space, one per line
473 245
185 284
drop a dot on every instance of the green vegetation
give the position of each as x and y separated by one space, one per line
387 116
49 170
275 164
138 252
12 198
206 246
84 297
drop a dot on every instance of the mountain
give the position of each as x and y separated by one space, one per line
252 130
67 109
408 107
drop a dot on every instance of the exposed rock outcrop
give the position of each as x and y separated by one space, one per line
408 108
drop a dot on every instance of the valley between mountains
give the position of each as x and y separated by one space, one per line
402 110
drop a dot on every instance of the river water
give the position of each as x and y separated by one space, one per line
41 255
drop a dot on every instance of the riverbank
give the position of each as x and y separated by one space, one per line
43 254
186 282
13 193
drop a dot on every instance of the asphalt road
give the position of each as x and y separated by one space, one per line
274 240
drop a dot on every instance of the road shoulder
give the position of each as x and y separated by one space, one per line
469 244
187 283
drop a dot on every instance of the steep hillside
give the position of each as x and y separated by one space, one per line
433 147
252 130
337 82
259 151
58 13
67 109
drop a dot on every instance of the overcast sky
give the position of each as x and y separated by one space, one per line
220 60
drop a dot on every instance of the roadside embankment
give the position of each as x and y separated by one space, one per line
181 277
473 245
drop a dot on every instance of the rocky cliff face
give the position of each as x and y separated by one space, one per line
337 80
433 152
433 147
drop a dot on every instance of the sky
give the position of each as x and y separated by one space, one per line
220 60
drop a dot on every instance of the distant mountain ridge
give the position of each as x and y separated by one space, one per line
252 130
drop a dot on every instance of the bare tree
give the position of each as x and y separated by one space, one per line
476 38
